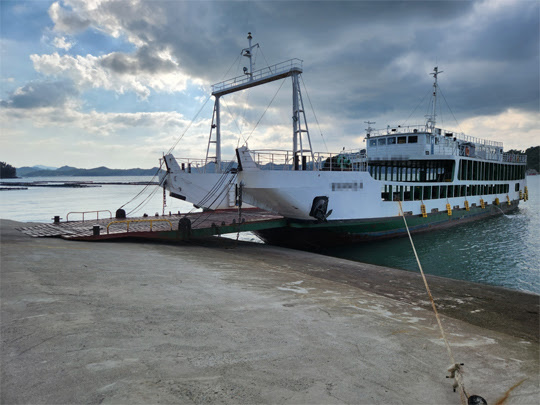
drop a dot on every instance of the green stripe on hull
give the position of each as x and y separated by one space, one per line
308 235
383 226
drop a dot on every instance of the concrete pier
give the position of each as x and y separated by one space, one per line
240 323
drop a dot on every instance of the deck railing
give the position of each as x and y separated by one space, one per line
200 165
284 160
412 129
514 158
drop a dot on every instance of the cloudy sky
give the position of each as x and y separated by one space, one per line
88 83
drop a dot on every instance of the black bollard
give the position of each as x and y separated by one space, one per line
184 227
476 400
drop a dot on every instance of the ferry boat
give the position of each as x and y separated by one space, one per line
433 177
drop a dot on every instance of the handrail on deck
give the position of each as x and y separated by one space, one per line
128 221
283 159
418 128
88 212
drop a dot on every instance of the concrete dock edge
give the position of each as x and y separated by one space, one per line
242 323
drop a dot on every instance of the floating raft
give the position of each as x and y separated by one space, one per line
168 227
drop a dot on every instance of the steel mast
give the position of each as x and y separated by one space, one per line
293 68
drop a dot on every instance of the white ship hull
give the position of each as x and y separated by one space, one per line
291 194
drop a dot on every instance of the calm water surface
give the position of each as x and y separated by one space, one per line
503 251
41 204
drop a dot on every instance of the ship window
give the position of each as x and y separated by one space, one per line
382 141
517 186
385 194
391 140
402 139
372 142
413 139
442 192
427 193
407 195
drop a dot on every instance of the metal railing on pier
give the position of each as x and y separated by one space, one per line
129 221
88 212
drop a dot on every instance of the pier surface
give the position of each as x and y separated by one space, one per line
225 322
166 227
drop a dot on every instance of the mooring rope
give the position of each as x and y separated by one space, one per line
456 369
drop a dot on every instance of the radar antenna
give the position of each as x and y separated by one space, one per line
369 129
248 53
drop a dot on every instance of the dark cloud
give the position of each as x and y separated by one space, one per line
144 60
41 94
362 58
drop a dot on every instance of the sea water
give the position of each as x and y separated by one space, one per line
42 204
502 250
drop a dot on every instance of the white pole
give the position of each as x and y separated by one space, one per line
218 138
250 54
295 117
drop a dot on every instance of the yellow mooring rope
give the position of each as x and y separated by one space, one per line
456 369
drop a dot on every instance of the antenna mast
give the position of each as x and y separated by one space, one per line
369 129
431 119
248 53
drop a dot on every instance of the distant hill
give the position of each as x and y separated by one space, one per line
23 171
68 171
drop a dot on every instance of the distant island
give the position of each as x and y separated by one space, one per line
7 171
68 171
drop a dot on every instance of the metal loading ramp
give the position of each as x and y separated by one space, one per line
167 227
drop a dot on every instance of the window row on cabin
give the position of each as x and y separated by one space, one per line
412 170
413 193
392 140
476 170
